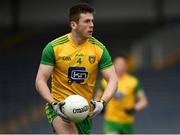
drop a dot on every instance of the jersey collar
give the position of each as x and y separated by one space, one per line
73 43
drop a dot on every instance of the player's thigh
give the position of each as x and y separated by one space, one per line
58 124
62 127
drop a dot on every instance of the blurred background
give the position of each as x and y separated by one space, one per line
147 30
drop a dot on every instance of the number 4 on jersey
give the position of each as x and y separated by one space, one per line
79 61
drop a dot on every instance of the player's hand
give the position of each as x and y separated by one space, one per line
130 111
98 107
58 107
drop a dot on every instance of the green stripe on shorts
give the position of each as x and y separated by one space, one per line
84 127
51 114
114 127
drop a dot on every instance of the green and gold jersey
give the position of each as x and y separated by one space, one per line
124 98
75 66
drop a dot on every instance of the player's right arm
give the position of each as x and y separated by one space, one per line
45 69
43 75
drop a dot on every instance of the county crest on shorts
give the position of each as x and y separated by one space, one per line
92 59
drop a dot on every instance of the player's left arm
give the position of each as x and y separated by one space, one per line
109 74
112 82
140 97
141 101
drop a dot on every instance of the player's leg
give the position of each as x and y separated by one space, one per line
62 127
59 125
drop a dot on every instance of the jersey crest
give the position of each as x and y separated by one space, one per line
92 59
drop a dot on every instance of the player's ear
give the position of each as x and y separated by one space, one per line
73 25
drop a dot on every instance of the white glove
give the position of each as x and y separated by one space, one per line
98 107
58 107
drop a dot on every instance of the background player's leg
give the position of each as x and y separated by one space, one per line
110 128
62 127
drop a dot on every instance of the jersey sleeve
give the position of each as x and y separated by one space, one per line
105 60
48 57
138 87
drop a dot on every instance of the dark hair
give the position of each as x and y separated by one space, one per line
75 11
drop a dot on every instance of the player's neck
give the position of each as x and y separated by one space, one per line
77 39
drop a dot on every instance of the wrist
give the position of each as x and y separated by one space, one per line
103 102
53 103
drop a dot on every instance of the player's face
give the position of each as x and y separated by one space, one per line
120 65
85 25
